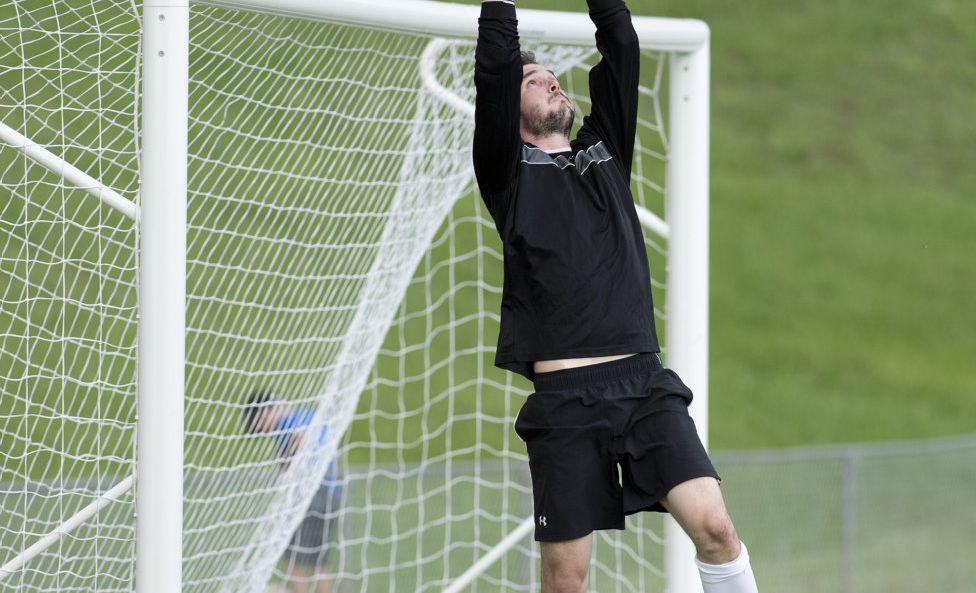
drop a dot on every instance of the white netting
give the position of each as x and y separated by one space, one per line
68 81
337 257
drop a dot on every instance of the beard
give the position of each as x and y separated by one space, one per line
557 122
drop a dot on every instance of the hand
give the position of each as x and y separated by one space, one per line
294 442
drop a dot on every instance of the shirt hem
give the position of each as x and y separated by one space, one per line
521 362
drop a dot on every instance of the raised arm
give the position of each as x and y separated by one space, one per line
497 78
613 81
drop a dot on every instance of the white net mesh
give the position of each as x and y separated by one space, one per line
68 81
337 257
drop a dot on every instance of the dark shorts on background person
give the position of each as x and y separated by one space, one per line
582 424
309 545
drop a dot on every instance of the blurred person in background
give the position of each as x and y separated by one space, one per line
307 552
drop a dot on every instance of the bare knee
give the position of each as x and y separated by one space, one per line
698 507
715 538
565 582
565 566
564 578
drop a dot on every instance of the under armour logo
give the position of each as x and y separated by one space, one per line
542 520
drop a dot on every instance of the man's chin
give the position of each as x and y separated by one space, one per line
562 112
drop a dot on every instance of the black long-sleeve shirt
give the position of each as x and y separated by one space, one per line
576 280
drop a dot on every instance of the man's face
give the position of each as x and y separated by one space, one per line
264 419
546 109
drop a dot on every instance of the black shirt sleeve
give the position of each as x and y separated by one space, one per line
613 82
497 79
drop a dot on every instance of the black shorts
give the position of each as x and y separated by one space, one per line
309 545
605 441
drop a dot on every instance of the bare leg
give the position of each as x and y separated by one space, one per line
565 565
323 583
697 505
308 580
297 579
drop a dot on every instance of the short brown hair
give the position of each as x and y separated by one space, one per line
528 57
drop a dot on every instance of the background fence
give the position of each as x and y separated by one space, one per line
883 518
887 518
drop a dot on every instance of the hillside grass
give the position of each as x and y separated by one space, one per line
841 287
842 249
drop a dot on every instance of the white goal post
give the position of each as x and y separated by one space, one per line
171 169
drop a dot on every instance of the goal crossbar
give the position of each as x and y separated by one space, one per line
444 18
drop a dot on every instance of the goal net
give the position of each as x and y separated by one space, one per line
339 261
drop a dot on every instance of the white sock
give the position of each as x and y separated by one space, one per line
732 577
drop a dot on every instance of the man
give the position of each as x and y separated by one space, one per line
307 552
607 431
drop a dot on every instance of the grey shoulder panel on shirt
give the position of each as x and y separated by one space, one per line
582 160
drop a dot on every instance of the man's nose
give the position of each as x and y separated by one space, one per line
553 86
